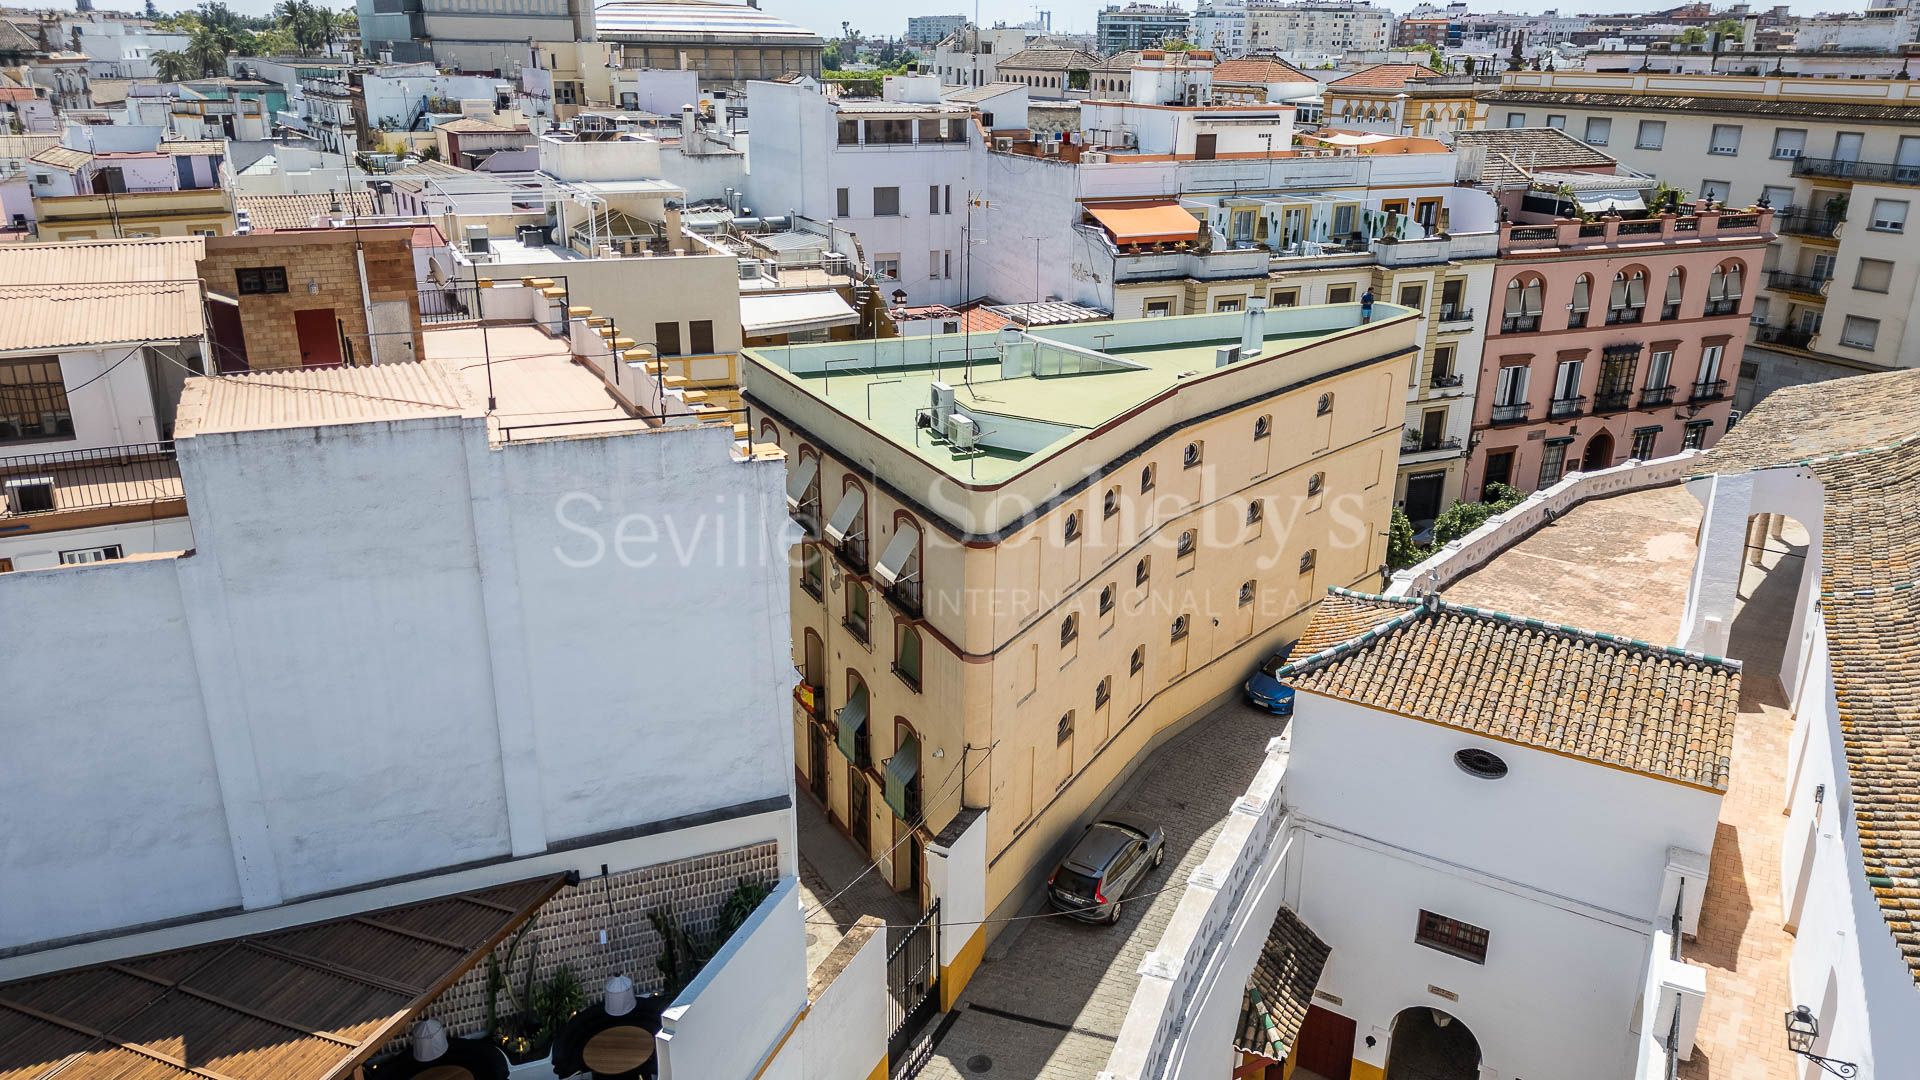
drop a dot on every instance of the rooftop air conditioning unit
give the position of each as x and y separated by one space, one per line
1004 145
1051 149
477 240
962 432
749 270
942 405
30 495
1093 157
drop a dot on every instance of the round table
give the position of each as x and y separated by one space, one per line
445 1072
618 1049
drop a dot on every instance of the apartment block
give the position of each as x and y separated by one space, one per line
1140 26
1837 160
1307 31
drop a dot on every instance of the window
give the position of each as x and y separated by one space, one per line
1247 591
1413 296
1069 630
906 654
1179 629
1599 129
842 203
1516 119
1103 692
1262 427
1308 560
1780 198
33 400
1725 139
849 132
1339 294
1072 530
1676 291
666 338
1285 298
1718 191
1789 143
700 336
259 280
1256 511
1063 732
933 198
1566 390
1643 443
1451 936
1146 479
886 202
1141 570
1658 369
933 265
1190 457
1187 543
1553 462
1889 215
1110 503
1138 661
1557 121
1159 309
1653 133
1107 593
1629 297
1696 437
1526 299
856 620
1316 484
886 267
1581 303
1859 332
1873 275
1510 389
1227 304
1325 406
90 555
813 570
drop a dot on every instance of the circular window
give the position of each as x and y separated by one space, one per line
1480 763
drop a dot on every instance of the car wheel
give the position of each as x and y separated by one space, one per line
1114 915
1159 856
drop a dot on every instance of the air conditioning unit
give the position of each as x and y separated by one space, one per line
942 406
477 240
749 270
1004 145
1094 157
30 495
962 432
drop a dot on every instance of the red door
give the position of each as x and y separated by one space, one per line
1325 1046
319 338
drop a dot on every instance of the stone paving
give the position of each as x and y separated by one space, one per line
830 865
1049 1000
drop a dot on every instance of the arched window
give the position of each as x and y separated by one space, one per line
855 737
1316 484
1325 406
1526 299
1247 590
1628 300
1190 457
1581 303
1069 630
1103 692
858 620
906 653
1307 560
1072 530
1676 292
1262 427
813 570
1146 478
1106 598
1110 503
1179 630
1141 570
1138 661
769 433
1188 541
1255 511
899 568
1724 287
847 528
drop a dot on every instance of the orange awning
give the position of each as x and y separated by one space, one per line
1154 223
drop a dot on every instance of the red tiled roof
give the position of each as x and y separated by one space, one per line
1258 69
1385 76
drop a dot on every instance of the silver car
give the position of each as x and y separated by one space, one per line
1112 858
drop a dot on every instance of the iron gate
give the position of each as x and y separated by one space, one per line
913 981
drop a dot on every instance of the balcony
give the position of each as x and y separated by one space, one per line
1624 316
1510 414
1709 390
40 488
1613 401
1807 223
1430 446
1455 313
1799 284
1784 336
1880 172
1442 381
1728 306
1520 324
1562 408
1656 396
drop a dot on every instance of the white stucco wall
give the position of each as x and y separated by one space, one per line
705 1034
391 654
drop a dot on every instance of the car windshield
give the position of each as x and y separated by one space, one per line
1072 881
1276 662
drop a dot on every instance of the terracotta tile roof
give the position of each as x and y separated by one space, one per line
1049 60
1861 438
1514 154
1281 987
1641 707
1384 77
1121 61
1343 616
298 211
1260 70
1717 106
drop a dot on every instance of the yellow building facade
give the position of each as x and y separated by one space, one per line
129 215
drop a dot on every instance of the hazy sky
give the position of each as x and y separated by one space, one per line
876 18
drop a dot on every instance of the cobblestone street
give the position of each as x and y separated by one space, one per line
1052 993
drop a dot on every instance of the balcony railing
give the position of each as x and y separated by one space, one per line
1576 318
1804 284
1455 313
1442 381
1723 307
1654 396
1612 401
1621 316
1788 336
1560 408
1709 390
90 479
1807 223
1425 446
1519 324
1510 414
1884 172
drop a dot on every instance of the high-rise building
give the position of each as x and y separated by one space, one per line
932 29
1140 26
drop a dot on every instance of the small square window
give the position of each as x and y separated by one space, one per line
1464 940
260 280
1860 332
1874 275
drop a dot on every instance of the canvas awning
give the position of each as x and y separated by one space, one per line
896 561
849 721
902 767
1153 223
840 526
794 313
802 479
1600 202
308 1002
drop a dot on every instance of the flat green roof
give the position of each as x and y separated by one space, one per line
1022 417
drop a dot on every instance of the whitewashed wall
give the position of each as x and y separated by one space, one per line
705 1033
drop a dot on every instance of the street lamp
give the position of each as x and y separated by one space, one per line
1803 1030
899 298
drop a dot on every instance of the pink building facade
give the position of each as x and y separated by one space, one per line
1612 340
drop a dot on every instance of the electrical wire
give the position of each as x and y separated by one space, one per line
1120 903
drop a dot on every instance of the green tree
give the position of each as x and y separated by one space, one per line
1402 552
1434 59
1692 35
1729 30
170 65
1463 517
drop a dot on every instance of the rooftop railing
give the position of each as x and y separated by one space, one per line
1884 172
90 479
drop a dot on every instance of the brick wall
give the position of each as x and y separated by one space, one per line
321 275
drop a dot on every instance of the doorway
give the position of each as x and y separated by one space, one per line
1428 1044
229 337
817 761
1499 470
319 337
1204 146
1325 1046
857 808
1599 452
1424 491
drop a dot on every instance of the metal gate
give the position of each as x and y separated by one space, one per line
913 981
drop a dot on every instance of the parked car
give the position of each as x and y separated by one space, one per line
1266 692
1113 856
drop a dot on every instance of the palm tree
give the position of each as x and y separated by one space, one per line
170 65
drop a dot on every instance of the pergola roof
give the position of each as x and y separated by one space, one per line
310 1002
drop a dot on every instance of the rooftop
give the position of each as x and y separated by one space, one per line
1059 384
1049 59
299 211
718 22
1258 69
1730 102
1384 77
100 292
1606 698
1513 155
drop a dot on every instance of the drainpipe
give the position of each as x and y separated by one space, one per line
366 300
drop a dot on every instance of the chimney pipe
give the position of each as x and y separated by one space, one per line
1253 329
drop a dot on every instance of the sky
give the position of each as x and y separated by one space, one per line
1069 16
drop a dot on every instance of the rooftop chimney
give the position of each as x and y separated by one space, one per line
1253 329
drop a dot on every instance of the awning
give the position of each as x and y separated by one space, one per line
1155 223
849 722
902 767
303 1003
894 561
794 313
803 477
1599 202
844 514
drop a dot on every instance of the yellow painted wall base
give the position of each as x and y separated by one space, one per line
955 976
879 1071
1364 1071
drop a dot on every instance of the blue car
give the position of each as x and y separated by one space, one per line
1266 692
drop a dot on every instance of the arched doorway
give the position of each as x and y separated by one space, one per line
1429 1044
1599 453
